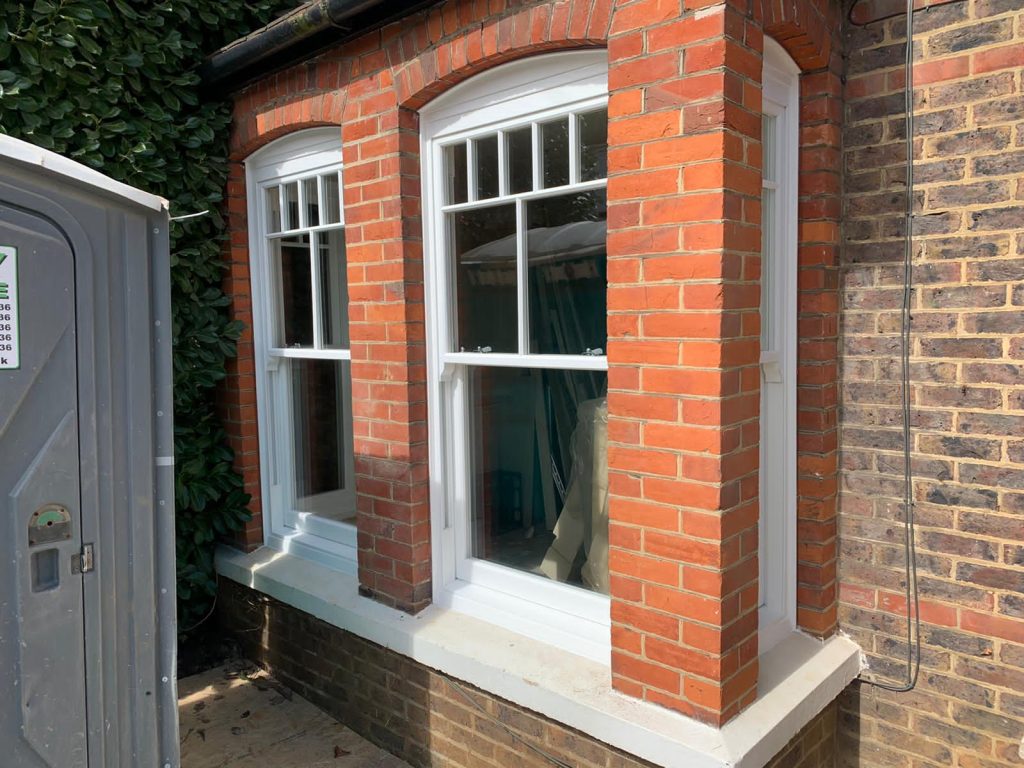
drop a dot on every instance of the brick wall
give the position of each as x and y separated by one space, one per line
968 404
684 268
684 264
425 717
814 746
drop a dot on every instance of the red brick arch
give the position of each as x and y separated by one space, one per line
529 31
803 27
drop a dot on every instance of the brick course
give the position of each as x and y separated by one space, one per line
427 718
966 370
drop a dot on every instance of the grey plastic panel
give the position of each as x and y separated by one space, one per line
118 300
42 652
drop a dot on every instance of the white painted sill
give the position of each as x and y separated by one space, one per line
799 676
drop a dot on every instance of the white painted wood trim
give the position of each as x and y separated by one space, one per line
506 97
291 157
781 98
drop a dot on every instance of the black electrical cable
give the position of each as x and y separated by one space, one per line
912 594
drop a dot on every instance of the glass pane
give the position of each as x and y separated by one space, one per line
455 173
291 205
273 210
290 257
769 226
332 199
520 159
593 132
322 437
540 487
333 288
312 202
554 139
485 275
769 124
486 167
568 262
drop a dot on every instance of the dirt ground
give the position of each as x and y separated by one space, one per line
236 716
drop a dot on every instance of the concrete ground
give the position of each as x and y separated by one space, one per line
236 716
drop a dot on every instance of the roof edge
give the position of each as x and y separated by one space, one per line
297 36
37 157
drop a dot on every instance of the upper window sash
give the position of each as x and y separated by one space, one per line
312 202
534 194
455 174
317 199
472 153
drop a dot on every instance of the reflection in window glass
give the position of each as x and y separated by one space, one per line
520 159
486 167
567 260
768 128
322 437
540 488
312 202
593 133
554 141
484 241
291 205
455 174
273 209
332 199
333 288
290 257
769 228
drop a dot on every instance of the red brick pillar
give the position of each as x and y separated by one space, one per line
684 267
237 394
818 353
385 279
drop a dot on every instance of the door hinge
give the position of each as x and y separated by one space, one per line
84 562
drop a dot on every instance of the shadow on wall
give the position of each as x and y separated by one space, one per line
423 717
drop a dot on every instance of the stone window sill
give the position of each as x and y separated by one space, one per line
799 676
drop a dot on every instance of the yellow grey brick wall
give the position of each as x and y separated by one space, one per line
968 386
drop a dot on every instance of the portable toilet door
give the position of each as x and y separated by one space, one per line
87 625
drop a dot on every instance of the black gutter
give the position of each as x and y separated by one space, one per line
299 35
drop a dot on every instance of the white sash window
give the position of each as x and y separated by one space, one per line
515 210
777 526
300 324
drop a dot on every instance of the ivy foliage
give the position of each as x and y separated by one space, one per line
114 85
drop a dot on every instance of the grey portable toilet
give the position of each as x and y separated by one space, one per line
87 599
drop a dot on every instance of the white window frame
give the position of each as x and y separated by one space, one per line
562 615
328 542
777 523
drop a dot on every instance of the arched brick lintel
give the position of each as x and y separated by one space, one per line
803 27
529 32
255 129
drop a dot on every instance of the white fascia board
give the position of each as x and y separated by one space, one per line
799 676
37 157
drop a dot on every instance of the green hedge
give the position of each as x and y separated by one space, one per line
113 84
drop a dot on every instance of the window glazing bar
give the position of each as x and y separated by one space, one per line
507 360
584 186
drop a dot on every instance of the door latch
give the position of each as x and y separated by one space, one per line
84 562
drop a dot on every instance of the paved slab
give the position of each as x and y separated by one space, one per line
236 716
